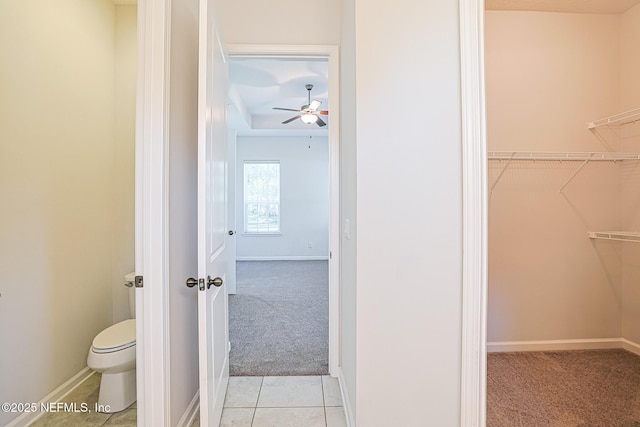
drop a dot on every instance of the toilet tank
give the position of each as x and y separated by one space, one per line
129 281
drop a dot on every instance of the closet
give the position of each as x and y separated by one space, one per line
563 110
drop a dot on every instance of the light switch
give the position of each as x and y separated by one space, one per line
347 229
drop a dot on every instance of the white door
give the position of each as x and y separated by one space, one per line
213 330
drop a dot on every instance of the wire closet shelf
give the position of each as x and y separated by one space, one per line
607 156
623 236
625 118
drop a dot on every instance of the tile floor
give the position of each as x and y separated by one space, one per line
306 401
87 393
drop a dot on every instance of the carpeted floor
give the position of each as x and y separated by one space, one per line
563 389
279 319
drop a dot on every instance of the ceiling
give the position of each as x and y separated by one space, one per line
256 85
572 6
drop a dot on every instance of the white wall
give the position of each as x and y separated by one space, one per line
279 22
548 74
57 167
630 99
408 213
348 207
304 198
183 237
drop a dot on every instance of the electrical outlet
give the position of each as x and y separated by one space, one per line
310 245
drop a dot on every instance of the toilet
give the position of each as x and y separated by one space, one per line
113 353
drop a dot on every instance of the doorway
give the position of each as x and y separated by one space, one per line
473 393
311 141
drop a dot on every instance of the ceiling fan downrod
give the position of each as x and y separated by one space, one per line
309 87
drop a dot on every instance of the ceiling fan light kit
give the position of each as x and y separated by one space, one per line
307 113
309 118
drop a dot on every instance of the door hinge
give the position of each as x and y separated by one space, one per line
201 284
330 255
139 282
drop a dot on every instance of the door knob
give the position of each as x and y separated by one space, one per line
191 282
217 282
231 232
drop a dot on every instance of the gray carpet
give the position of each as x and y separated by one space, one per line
563 389
279 319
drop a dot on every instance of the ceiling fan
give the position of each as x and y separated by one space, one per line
307 113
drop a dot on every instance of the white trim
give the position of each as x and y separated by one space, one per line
557 345
191 412
331 53
55 396
152 331
474 215
346 400
631 346
283 258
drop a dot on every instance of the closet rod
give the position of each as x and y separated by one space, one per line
621 119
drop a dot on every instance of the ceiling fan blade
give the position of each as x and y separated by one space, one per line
285 109
320 122
324 112
291 119
315 104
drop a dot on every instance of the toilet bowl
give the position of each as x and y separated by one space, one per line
113 353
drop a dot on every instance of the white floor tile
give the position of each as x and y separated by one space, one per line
331 389
237 417
286 392
242 392
289 417
335 416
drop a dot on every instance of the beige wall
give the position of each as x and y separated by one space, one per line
547 75
57 192
630 85
124 155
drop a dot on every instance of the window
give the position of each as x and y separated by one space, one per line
262 197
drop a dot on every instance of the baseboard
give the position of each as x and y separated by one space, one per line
190 413
631 346
282 258
555 345
55 396
346 400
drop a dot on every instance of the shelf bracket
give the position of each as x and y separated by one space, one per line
500 176
573 175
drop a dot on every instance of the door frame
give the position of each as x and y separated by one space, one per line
473 386
331 54
151 212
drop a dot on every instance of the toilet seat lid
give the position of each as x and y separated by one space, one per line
122 334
